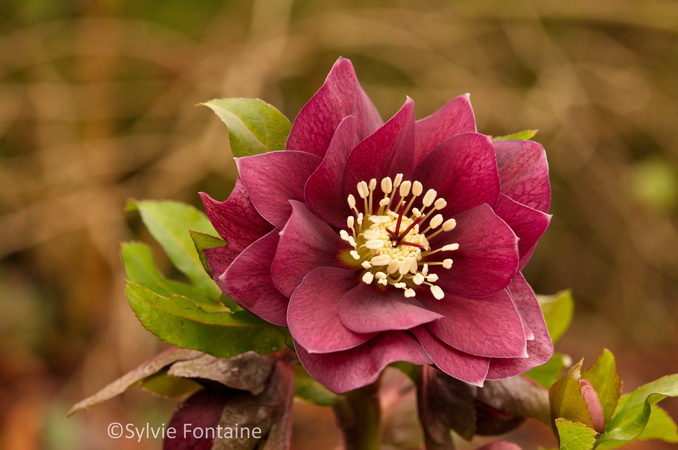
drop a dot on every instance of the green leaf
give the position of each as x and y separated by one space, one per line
141 269
203 241
575 435
633 415
659 426
169 223
179 321
567 400
306 388
521 135
174 387
548 373
254 126
603 377
558 310
229 303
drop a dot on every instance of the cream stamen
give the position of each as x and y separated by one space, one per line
390 245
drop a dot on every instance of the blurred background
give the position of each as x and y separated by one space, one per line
97 105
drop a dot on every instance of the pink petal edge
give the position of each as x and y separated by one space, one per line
524 172
462 366
368 308
351 369
489 326
313 313
540 349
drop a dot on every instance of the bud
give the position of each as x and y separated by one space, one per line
593 405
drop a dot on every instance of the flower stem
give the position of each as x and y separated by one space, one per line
357 414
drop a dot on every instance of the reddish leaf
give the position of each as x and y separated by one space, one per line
445 403
194 420
146 369
247 371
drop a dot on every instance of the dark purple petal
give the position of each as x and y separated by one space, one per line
368 308
527 223
524 173
236 220
313 313
540 349
487 258
200 411
272 179
454 118
306 242
385 152
462 366
351 369
248 281
324 193
488 326
463 170
340 96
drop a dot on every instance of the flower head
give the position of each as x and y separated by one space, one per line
379 242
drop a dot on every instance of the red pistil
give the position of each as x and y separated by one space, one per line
397 236
412 244
404 233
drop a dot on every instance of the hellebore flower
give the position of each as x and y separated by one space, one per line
379 242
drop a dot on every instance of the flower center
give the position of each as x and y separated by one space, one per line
391 238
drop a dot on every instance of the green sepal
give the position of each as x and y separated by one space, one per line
254 126
566 399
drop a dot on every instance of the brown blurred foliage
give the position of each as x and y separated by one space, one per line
97 105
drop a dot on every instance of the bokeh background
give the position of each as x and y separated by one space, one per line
97 105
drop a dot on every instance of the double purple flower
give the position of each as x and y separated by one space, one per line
379 242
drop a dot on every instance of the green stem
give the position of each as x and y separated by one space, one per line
358 415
